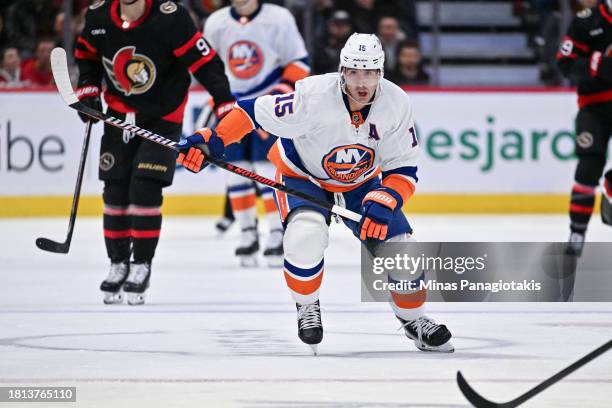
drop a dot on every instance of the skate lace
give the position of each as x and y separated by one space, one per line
309 316
117 272
138 273
424 326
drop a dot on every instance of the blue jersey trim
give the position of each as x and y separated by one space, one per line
248 105
292 155
410 171
272 78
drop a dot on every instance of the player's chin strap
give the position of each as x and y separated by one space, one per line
378 92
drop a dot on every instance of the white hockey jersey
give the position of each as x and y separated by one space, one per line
320 141
256 51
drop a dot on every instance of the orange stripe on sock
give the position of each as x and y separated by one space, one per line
234 126
303 287
409 300
270 205
243 203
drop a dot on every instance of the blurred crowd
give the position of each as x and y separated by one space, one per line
30 29
543 22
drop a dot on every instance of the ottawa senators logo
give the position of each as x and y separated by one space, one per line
245 59
131 73
347 163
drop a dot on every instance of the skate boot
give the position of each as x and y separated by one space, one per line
310 328
575 244
273 252
111 286
137 282
606 204
427 335
222 225
248 247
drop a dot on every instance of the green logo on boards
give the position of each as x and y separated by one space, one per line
490 145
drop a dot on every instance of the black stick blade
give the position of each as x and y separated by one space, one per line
476 399
49 245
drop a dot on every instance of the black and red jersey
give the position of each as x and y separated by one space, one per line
585 54
146 63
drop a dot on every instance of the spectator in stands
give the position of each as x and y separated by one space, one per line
365 14
587 3
27 20
10 69
322 12
38 69
409 70
327 51
390 36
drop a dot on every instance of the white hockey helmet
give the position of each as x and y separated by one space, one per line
362 51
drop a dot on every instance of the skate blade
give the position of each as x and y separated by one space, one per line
135 299
275 261
248 261
113 298
314 348
443 348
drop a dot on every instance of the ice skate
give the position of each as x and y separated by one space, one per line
606 204
427 335
248 247
575 244
273 252
111 286
310 328
222 225
137 283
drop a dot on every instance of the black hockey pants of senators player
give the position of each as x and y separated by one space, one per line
593 130
134 174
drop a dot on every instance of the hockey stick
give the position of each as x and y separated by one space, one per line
47 244
59 66
480 402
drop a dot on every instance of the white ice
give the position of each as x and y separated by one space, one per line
214 335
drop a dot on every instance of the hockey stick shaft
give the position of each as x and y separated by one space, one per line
49 245
480 402
62 80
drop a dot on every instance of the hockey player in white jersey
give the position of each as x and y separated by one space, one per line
263 54
349 137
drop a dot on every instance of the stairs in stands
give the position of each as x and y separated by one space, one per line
481 43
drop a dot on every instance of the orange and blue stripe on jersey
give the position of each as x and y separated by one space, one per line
289 75
401 180
295 71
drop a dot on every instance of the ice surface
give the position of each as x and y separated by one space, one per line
215 335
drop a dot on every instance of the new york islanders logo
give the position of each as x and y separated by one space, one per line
245 59
131 73
347 163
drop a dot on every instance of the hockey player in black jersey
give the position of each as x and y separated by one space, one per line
144 50
585 57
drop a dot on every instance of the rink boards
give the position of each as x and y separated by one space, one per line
487 151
